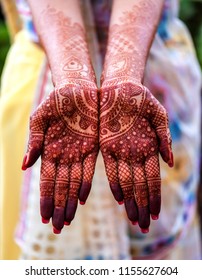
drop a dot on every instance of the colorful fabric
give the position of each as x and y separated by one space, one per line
19 78
100 229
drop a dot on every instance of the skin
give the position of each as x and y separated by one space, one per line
133 125
64 128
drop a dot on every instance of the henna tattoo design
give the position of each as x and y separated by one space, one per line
133 130
64 131
133 124
129 42
64 128
73 54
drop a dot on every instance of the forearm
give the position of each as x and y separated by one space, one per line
131 33
60 27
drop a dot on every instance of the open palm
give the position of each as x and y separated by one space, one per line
64 132
133 130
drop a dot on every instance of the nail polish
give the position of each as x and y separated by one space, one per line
144 230
154 217
56 231
45 221
120 202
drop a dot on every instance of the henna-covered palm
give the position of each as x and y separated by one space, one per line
133 130
64 132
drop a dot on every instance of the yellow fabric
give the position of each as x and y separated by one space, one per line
18 82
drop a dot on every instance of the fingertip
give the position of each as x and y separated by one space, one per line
66 223
121 202
70 210
117 192
154 217
45 221
144 230
84 192
56 231
134 223
23 167
171 161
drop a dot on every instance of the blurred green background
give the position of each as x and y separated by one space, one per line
190 13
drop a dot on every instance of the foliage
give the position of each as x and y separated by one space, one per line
191 14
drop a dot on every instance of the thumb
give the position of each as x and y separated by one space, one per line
38 125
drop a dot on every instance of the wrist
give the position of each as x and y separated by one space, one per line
73 82
117 81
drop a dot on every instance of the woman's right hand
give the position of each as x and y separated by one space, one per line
64 132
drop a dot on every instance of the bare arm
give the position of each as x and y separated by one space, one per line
133 124
64 128
62 34
132 29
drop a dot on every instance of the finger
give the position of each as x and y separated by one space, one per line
60 197
159 119
38 125
152 171
112 175
88 172
75 183
47 185
142 199
126 183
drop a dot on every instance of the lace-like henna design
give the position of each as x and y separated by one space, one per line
64 128
64 131
73 53
133 130
128 43
133 124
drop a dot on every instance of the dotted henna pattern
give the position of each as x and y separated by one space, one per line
133 129
64 131
64 128
133 124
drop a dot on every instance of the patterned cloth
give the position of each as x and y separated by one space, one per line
101 229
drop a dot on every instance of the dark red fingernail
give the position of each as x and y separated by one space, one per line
24 163
144 230
56 231
172 160
120 202
134 223
154 217
45 221
82 202
67 223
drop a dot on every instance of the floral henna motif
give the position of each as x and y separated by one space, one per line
64 131
133 130
72 53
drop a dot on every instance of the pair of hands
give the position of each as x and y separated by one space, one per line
67 130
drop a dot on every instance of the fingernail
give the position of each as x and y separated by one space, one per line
67 223
120 202
144 230
134 223
56 231
171 162
154 217
24 163
45 221
82 202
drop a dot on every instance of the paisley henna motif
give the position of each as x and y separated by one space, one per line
133 124
133 130
64 131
